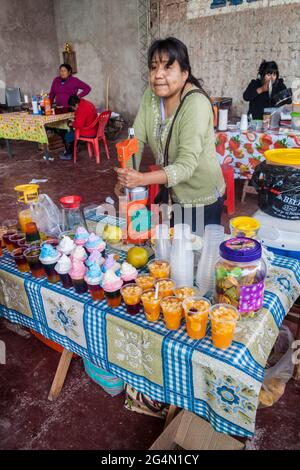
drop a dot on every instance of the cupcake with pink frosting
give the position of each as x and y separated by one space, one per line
112 284
79 254
77 273
81 236
95 243
128 273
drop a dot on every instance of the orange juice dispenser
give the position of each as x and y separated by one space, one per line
27 196
138 217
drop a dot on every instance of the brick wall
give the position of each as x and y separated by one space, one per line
226 45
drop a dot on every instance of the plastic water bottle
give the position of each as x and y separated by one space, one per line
163 242
182 256
34 101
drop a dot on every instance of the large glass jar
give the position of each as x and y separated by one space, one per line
240 273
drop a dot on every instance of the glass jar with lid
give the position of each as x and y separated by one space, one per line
240 274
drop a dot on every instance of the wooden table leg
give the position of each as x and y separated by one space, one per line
170 415
297 366
60 374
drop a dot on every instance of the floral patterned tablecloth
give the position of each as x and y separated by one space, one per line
221 386
245 150
24 126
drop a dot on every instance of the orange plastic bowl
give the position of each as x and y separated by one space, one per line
48 342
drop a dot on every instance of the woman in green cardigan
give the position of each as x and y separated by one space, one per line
193 173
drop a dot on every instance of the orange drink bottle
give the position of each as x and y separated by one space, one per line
172 312
159 269
151 305
131 294
145 281
166 287
196 314
223 319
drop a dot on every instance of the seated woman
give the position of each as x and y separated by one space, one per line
193 173
261 93
65 85
85 115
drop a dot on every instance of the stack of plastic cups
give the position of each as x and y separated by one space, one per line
205 277
182 256
163 242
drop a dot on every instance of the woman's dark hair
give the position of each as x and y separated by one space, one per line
73 100
176 50
66 66
267 67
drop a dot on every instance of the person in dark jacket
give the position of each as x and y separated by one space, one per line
262 92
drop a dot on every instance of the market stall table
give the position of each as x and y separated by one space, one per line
25 126
220 385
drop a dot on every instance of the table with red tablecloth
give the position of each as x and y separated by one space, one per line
245 150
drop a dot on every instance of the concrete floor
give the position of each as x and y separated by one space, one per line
84 416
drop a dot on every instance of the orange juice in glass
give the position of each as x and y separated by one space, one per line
131 294
145 281
166 287
196 314
159 268
151 305
223 319
172 312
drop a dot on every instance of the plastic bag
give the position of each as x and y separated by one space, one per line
47 216
140 403
278 190
279 370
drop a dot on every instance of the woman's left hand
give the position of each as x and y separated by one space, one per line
129 178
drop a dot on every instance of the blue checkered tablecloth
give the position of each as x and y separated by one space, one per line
168 366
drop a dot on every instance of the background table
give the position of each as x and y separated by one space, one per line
221 386
25 126
245 150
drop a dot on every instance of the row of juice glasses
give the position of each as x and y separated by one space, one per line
174 306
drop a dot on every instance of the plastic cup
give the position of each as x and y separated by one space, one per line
196 311
16 238
11 224
32 255
66 280
145 281
184 292
96 291
113 298
80 286
5 239
3 230
172 312
52 275
20 260
223 319
151 305
166 287
131 294
32 233
159 268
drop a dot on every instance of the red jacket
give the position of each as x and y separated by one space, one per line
85 115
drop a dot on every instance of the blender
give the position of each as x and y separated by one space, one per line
137 215
72 213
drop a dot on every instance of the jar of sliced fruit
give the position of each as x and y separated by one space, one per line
240 274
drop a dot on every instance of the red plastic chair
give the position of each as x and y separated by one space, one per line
93 143
228 173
